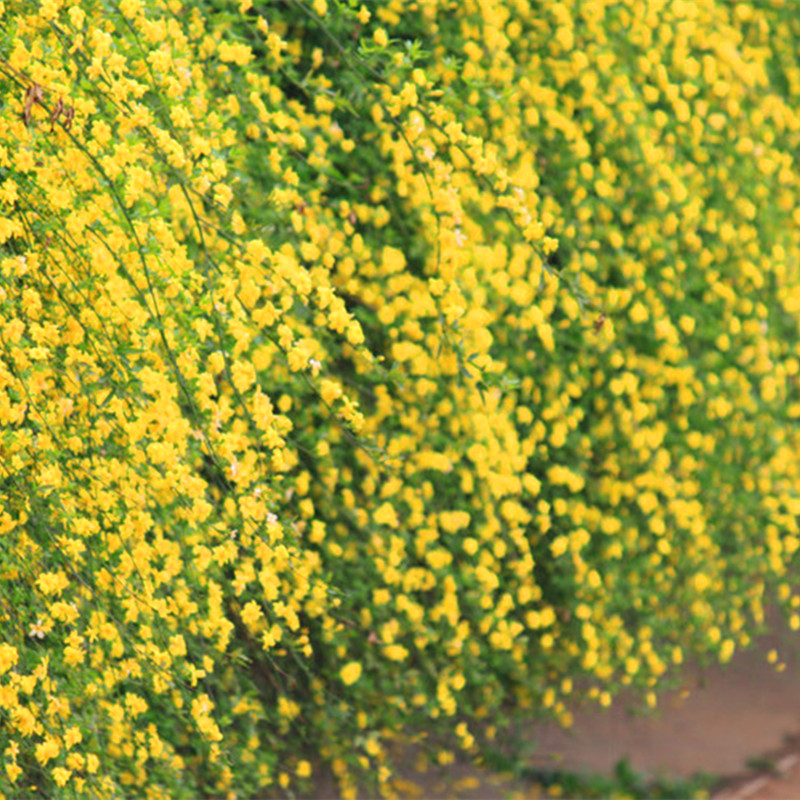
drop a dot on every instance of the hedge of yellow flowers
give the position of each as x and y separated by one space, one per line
385 370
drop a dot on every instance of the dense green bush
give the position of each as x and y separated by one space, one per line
384 369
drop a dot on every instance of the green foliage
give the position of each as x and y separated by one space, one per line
384 368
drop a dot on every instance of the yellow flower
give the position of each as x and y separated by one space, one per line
350 673
395 652
8 657
47 750
251 613
52 582
61 775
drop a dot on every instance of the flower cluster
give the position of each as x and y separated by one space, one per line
375 368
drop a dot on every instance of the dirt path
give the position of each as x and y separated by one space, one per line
725 718
740 722
736 721
780 782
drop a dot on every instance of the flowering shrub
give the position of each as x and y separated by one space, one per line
374 369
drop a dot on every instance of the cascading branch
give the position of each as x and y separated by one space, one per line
369 370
